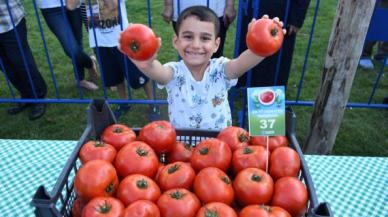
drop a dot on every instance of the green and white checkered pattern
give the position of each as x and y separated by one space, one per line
353 186
25 165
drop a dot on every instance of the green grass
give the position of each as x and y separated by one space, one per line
363 132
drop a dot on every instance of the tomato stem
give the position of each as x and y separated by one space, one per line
142 183
117 130
255 178
99 144
247 151
204 151
177 195
226 180
173 168
110 188
134 46
209 213
104 208
274 32
243 138
141 152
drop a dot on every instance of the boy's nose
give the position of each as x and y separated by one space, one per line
196 43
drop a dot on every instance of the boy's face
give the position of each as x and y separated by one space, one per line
196 41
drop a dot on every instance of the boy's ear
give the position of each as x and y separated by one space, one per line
174 41
217 42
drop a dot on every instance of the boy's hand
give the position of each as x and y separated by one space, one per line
229 15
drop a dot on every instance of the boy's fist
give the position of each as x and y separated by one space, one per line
265 36
139 42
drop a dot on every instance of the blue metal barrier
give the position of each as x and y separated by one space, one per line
376 32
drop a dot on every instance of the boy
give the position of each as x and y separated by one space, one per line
197 86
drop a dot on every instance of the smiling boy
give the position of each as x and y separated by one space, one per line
197 86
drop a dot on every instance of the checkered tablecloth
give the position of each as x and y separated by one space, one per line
25 165
353 186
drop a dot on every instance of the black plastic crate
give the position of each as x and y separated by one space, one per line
60 200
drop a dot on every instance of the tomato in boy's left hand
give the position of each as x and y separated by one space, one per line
139 42
264 37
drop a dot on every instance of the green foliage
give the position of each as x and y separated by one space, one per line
362 132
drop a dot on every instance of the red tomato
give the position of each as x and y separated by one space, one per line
180 152
284 161
213 185
178 202
103 206
160 135
78 206
253 186
142 208
96 150
211 153
263 211
264 37
273 141
118 135
137 187
136 158
176 175
235 137
96 178
290 194
251 156
216 209
139 42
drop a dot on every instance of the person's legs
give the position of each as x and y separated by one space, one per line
382 51
63 25
21 69
365 60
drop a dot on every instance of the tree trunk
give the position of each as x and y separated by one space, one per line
344 51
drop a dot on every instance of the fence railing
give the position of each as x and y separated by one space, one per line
308 40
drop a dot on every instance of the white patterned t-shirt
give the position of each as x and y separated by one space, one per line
199 104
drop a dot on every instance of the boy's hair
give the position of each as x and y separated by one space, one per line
203 14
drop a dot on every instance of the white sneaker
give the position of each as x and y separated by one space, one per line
88 85
366 63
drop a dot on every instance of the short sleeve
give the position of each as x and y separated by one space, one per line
220 64
174 66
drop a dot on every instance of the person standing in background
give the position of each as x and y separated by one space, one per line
223 8
67 27
18 63
264 73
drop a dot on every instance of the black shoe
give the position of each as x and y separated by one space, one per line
16 109
37 111
121 110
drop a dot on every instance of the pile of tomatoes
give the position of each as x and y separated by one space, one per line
122 175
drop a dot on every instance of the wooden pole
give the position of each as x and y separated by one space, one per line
344 51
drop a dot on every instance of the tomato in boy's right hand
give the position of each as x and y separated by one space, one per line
264 37
139 42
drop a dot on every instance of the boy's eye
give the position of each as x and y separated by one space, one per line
187 36
206 38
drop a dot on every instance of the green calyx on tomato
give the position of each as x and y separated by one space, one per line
173 168
266 208
243 138
117 130
110 188
134 46
209 213
274 32
99 144
141 152
177 195
226 180
248 151
104 208
204 151
142 184
256 178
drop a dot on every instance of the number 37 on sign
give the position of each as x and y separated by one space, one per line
266 111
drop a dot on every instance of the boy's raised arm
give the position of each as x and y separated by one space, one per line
237 67
154 70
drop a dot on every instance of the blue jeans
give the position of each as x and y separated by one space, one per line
14 65
68 29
